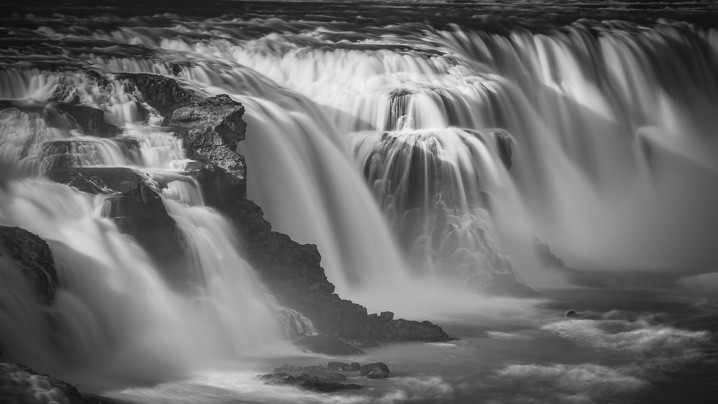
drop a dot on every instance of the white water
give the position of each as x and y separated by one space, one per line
97 329
613 164
111 306
607 142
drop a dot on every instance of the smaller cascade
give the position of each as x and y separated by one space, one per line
111 307
185 190
83 152
227 286
436 187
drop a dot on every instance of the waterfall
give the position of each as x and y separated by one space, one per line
434 186
113 311
610 127
110 305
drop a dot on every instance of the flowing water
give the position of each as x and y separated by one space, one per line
424 148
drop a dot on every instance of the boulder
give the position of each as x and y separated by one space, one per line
308 382
504 145
210 130
293 273
354 367
386 316
377 370
315 378
211 122
34 258
91 121
159 92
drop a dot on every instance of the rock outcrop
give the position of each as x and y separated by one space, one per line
210 130
90 120
22 385
159 92
293 272
34 258
314 378
377 370
331 378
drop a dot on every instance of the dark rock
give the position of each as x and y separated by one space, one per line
377 370
386 316
211 122
315 378
91 121
20 384
160 92
572 276
34 258
308 382
327 344
136 206
354 367
504 144
338 366
293 273
571 313
210 130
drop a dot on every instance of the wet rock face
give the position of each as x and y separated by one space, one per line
90 120
211 122
314 378
293 273
33 256
137 209
160 92
210 131
20 384
377 370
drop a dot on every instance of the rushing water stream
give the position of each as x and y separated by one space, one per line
424 150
